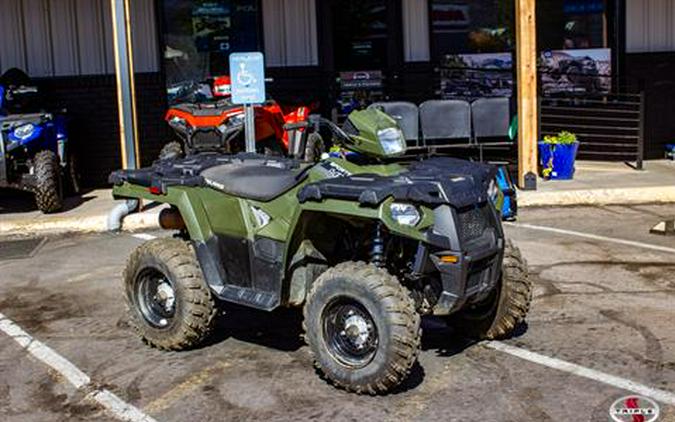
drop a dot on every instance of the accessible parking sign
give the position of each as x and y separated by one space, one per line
247 72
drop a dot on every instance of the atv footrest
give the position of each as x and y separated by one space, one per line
249 297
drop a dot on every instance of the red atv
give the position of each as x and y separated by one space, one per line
206 120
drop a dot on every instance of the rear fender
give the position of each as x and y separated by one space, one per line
187 201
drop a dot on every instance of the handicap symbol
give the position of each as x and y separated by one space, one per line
244 77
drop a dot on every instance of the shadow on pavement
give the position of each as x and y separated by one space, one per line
17 201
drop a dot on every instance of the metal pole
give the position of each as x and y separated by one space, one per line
124 72
639 162
249 127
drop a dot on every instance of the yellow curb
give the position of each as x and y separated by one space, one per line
98 223
643 195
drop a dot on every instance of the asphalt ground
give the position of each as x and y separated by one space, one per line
603 305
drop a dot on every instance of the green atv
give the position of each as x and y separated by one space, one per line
365 244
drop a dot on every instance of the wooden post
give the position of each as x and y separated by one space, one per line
528 113
126 93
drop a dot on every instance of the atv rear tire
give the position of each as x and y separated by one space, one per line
74 186
48 186
172 150
170 305
499 314
362 328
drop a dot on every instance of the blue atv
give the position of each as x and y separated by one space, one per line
34 153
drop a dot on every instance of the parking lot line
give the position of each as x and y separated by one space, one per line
81 381
594 237
623 383
144 236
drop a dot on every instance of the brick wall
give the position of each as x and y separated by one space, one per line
91 102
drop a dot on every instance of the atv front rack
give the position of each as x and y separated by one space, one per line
432 182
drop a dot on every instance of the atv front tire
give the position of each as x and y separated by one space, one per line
170 305
500 313
48 187
172 150
362 328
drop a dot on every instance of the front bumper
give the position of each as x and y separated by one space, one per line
478 258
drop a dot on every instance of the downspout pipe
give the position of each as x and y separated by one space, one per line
120 211
126 103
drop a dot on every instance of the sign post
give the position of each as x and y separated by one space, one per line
247 72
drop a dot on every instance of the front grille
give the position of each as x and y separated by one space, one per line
472 222
209 138
479 274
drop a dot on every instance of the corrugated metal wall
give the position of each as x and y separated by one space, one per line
290 32
415 31
71 37
650 26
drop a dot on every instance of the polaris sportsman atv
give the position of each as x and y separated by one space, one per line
365 249
34 152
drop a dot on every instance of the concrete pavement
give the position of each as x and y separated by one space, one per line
596 304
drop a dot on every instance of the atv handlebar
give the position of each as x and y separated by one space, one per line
296 125
335 130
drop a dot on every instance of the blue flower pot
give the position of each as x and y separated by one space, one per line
559 158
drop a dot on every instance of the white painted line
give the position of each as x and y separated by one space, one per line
108 400
625 384
144 236
594 237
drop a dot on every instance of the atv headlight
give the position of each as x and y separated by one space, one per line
236 120
24 131
404 214
391 140
178 122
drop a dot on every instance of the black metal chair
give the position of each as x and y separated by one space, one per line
407 116
445 120
491 118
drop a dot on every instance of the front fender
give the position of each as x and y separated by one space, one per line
381 213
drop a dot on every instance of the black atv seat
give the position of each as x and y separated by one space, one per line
249 176
260 179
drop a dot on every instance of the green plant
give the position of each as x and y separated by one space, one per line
563 138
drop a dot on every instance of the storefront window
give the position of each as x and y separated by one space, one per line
571 24
573 44
472 41
199 36
360 34
469 27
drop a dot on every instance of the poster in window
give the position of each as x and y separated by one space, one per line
211 23
473 76
225 26
587 71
